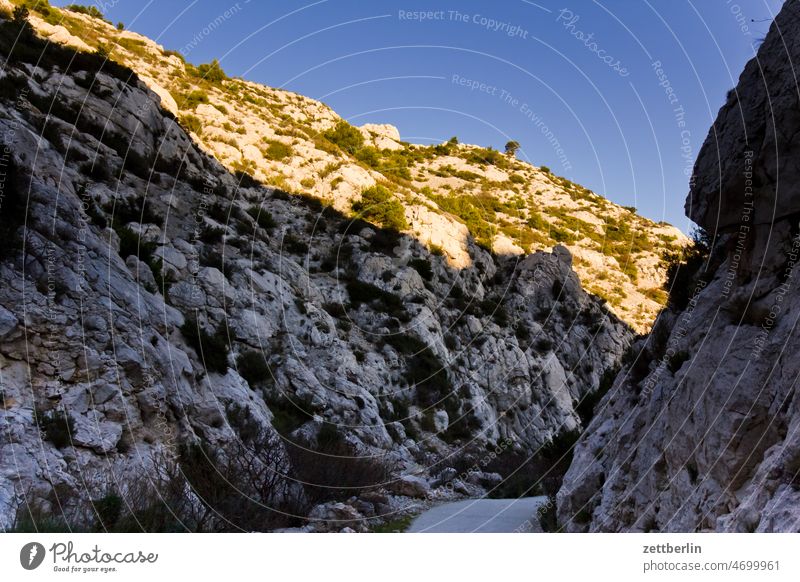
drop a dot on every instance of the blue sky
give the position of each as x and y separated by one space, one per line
576 82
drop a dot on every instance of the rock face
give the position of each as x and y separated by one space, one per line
701 430
446 189
156 308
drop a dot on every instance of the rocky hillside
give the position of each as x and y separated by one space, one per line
449 192
701 429
188 348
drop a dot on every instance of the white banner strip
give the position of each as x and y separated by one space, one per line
402 557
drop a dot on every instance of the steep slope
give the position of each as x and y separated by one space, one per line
299 144
190 349
700 430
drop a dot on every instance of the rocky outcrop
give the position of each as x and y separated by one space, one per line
701 430
279 137
158 309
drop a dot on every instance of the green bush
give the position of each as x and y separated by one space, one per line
194 99
211 72
211 348
477 213
379 206
277 151
57 426
487 156
347 137
92 11
192 123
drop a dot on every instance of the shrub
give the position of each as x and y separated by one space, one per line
194 99
379 206
57 426
361 292
211 72
287 416
20 14
277 150
253 367
484 156
294 245
347 137
335 309
406 344
211 257
263 217
585 407
211 234
108 510
92 11
192 124
242 486
423 267
134 210
383 241
477 213
220 212
171 53
334 469
686 269
211 348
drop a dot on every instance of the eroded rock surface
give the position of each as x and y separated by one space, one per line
700 432
147 282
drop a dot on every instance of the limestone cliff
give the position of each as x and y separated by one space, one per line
701 428
448 191
190 349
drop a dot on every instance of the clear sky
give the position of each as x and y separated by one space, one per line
576 82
